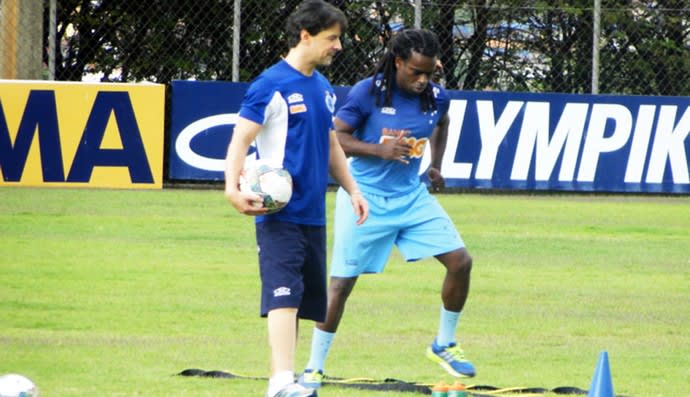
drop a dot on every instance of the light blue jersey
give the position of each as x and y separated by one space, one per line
374 124
296 114
402 213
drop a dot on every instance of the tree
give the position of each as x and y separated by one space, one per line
512 45
647 48
156 40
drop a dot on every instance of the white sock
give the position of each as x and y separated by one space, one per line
320 344
447 327
280 380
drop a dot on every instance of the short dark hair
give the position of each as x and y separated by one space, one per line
402 45
314 16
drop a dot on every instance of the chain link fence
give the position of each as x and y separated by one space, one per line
643 47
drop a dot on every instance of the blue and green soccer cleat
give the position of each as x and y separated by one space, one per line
312 378
451 358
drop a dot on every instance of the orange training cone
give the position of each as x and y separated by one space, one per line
440 390
601 382
457 389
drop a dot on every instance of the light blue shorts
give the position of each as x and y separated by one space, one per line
416 223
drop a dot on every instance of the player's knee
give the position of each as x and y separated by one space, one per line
339 288
465 262
459 262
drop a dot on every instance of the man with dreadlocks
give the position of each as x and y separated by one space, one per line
385 124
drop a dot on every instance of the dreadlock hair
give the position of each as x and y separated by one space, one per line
402 45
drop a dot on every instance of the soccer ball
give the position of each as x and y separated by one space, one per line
13 385
272 182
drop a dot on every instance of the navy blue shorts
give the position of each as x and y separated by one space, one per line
292 262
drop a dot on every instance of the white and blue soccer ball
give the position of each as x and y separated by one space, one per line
269 180
14 385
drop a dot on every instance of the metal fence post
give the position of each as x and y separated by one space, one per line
596 14
52 30
236 24
21 39
418 14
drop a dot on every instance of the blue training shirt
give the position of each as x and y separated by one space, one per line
296 115
390 178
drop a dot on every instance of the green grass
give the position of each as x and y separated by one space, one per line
110 293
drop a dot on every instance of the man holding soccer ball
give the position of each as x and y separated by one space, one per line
385 124
288 112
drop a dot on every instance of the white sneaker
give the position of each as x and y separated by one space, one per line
295 390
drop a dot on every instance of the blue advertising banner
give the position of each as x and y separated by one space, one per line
202 120
496 140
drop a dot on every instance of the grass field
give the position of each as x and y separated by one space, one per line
111 293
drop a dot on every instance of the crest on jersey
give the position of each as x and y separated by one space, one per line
330 101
